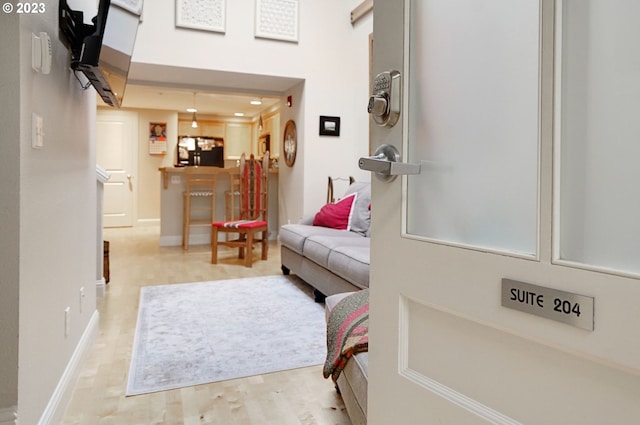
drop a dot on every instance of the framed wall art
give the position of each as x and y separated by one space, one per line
133 6
329 126
290 143
207 15
277 19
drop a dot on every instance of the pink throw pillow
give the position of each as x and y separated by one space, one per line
338 215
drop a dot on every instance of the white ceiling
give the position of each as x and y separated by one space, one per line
218 93
207 103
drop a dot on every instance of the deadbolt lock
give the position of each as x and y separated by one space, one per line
384 103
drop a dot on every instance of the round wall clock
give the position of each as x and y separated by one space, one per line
290 144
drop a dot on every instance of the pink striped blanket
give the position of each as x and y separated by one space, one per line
347 332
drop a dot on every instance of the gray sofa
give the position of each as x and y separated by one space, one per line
331 261
335 263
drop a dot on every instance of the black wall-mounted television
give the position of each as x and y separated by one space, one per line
101 50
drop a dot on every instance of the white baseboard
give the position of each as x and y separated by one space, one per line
148 222
101 286
8 416
203 239
58 403
170 240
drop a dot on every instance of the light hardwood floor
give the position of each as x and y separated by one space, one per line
296 397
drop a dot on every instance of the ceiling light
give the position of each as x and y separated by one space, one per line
192 110
256 102
239 114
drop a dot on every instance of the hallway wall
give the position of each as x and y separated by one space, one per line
47 218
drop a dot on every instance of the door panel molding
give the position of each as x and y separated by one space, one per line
406 369
504 378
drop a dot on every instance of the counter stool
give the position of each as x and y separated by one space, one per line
198 201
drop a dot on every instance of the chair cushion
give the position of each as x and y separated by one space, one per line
240 224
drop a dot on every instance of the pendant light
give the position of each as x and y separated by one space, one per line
260 126
194 119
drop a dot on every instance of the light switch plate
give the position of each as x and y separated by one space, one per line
37 131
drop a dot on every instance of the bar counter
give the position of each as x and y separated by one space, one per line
173 185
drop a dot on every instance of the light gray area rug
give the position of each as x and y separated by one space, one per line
196 333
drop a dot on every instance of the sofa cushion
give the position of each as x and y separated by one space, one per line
337 215
361 217
293 236
317 248
351 262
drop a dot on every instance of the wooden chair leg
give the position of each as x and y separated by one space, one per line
248 257
265 244
214 245
186 216
241 250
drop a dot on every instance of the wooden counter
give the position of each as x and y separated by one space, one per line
172 183
230 171
201 170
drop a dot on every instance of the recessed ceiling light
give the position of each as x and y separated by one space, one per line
192 110
256 102
239 114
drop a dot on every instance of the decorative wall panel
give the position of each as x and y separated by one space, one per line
277 19
209 15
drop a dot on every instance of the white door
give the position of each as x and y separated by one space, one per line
116 135
523 118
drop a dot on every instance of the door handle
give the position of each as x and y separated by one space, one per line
385 162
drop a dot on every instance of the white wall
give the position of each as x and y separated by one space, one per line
47 216
9 209
147 175
292 179
331 56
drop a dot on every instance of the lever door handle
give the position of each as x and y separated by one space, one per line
386 164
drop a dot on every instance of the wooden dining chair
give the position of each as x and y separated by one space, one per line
253 213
